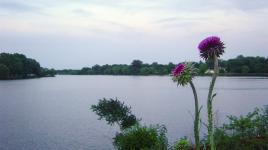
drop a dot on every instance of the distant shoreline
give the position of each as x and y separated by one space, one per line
265 76
241 75
205 75
25 78
239 66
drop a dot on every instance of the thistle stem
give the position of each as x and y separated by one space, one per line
197 117
209 104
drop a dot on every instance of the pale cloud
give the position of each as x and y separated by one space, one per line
16 6
158 30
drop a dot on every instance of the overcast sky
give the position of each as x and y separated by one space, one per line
77 33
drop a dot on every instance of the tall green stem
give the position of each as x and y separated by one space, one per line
209 104
197 117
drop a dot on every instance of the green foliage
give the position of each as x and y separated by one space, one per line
136 66
239 65
133 136
14 66
142 138
203 67
114 111
84 71
146 71
249 65
182 144
248 132
245 69
4 71
45 72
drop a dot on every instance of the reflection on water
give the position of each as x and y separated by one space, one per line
53 113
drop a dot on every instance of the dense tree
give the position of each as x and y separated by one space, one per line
243 64
4 71
203 67
45 72
238 66
146 71
136 66
31 66
16 65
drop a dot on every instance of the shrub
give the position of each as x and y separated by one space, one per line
248 132
114 111
182 144
142 138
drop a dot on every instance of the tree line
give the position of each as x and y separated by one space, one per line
237 66
18 66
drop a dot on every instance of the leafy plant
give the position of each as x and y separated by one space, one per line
133 136
182 144
142 138
114 111
248 132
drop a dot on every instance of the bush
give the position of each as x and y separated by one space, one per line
182 144
114 111
142 138
248 132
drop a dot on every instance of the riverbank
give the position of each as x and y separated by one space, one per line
28 77
200 75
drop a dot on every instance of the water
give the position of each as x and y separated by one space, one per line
53 113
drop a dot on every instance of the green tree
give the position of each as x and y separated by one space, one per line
4 72
20 66
136 66
96 69
116 69
203 68
146 71
245 69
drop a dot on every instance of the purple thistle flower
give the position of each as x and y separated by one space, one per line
178 70
211 46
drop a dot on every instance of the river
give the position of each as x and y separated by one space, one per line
53 113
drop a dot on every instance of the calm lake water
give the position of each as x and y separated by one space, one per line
54 114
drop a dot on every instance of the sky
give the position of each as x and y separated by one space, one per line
77 33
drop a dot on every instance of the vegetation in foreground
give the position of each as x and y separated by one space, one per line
133 135
18 66
242 133
140 137
249 132
115 112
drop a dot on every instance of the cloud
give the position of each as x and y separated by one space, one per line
156 30
247 5
175 22
82 12
13 6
